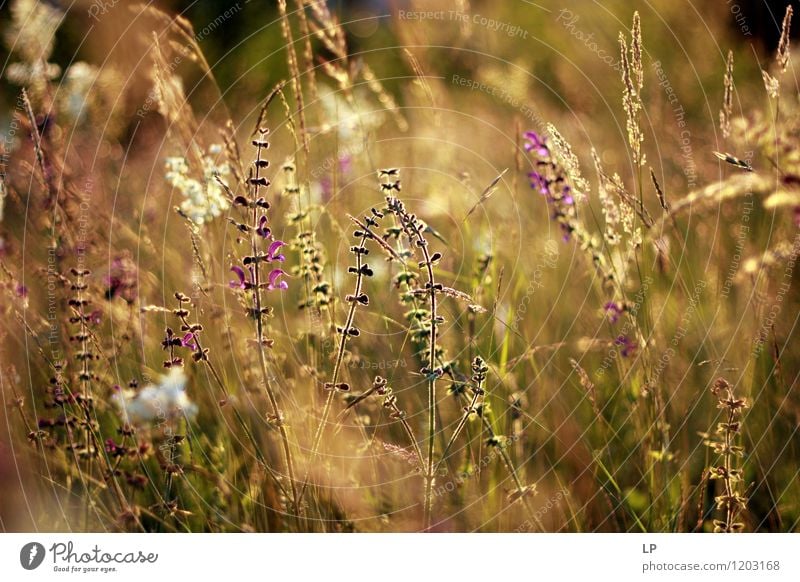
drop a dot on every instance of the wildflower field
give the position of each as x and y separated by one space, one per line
406 266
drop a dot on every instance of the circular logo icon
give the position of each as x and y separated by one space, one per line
31 555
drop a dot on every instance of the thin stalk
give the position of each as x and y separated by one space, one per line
457 432
413 230
291 57
727 480
468 411
203 357
351 312
390 402
522 490
429 476
287 452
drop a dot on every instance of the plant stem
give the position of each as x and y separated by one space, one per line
337 366
287 451
430 474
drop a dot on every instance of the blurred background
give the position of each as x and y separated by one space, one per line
459 83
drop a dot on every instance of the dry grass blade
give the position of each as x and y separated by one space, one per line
423 81
487 192
727 101
718 193
262 114
734 161
662 199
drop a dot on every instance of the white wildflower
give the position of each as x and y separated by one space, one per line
204 199
352 121
30 37
25 74
75 89
156 402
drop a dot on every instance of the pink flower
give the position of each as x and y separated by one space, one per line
535 143
122 279
345 163
629 346
274 275
262 230
187 341
273 248
95 317
240 284
613 311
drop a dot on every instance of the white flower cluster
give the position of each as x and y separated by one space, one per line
353 120
204 199
75 89
157 402
30 36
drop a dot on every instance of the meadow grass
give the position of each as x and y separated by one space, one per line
355 308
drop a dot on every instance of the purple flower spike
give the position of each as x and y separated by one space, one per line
273 248
21 290
326 185
566 196
240 284
345 163
122 279
273 280
187 341
113 448
628 345
536 144
262 230
613 311
539 182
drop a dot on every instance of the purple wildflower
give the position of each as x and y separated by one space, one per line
326 186
628 345
121 280
188 341
345 163
539 182
274 275
549 179
95 317
263 230
240 284
21 291
273 248
114 449
536 143
613 311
